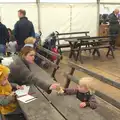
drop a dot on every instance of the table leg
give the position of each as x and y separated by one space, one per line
96 50
72 46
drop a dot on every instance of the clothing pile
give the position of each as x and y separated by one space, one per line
6 61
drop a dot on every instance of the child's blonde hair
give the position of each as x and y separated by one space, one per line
3 71
87 83
30 40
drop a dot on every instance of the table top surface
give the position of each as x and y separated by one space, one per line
39 109
89 39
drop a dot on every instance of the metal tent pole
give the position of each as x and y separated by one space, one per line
98 16
38 13
70 18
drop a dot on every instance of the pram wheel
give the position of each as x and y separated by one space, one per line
45 65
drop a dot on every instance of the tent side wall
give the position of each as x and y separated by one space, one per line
68 17
9 16
63 17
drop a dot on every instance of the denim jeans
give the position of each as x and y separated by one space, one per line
2 50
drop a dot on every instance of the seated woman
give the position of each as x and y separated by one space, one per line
32 42
8 104
21 73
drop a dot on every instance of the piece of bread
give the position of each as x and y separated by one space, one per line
60 90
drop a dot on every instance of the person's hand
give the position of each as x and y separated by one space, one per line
19 87
82 104
7 43
60 91
12 94
54 86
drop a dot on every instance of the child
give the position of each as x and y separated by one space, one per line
11 46
8 102
84 92
30 41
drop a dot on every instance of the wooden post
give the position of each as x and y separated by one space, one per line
74 79
68 80
55 69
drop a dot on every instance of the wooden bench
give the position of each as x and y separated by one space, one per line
90 43
66 45
52 64
95 43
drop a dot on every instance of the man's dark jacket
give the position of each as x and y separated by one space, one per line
3 34
23 29
114 24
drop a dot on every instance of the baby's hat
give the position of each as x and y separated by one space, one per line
3 71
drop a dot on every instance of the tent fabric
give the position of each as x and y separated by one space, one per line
57 15
110 1
63 1
17 1
107 9
58 1
70 1
54 16
10 18
68 18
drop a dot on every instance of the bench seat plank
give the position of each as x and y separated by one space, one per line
63 45
40 72
94 47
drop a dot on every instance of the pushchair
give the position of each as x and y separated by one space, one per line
50 44
38 39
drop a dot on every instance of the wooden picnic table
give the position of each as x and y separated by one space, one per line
72 33
66 45
73 41
86 41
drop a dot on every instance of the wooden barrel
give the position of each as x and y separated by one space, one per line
103 30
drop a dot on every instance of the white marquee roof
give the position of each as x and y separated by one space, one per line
65 1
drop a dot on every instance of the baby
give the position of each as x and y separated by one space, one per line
84 92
